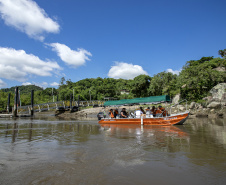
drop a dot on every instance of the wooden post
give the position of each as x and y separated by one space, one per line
15 102
8 103
78 102
70 101
32 102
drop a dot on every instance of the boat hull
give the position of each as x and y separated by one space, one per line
177 119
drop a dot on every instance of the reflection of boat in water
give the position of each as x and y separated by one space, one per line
173 131
172 119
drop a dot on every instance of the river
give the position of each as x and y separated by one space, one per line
52 151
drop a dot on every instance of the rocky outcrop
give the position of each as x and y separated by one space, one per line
176 99
214 105
218 94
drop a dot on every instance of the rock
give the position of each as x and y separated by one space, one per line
214 105
201 114
220 115
198 106
212 111
218 92
176 99
192 105
181 107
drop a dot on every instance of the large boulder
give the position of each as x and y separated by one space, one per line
181 107
192 105
214 105
176 99
218 93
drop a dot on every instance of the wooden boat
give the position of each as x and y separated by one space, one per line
173 119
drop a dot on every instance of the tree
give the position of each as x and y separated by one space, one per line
195 81
139 85
163 83
222 53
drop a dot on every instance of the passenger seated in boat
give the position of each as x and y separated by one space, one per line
148 113
164 112
141 108
139 112
116 113
111 114
159 112
153 111
123 113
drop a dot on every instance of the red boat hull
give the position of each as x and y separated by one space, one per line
177 119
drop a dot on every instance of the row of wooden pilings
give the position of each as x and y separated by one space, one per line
16 103
16 100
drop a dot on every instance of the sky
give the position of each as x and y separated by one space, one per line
42 41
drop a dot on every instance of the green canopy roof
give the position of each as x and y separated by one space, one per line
147 100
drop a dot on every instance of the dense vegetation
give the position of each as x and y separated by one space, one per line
193 83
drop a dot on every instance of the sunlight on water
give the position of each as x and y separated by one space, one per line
38 151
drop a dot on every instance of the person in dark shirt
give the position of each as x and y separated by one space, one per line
153 111
123 113
116 113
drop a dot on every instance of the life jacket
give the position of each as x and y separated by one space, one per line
164 112
111 114
158 111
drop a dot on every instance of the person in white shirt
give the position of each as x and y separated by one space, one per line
138 113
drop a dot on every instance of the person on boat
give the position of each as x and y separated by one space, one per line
142 110
148 112
116 113
158 112
111 114
164 112
123 113
153 111
139 112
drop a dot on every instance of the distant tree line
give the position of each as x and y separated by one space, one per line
193 83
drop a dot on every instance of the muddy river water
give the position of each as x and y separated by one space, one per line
51 151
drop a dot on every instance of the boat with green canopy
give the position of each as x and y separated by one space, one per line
164 118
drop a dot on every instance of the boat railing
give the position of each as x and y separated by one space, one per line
178 104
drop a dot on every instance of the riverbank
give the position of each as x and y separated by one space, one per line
219 112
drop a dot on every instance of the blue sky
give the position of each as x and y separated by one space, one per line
42 41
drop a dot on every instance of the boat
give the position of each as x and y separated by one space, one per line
171 119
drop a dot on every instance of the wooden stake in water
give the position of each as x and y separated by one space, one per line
8 103
32 102
15 102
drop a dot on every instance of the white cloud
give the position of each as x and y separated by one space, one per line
17 65
26 83
54 84
125 71
174 72
28 17
71 57
2 83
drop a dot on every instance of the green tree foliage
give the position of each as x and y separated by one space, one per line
198 77
163 83
222 53
194 82
139 85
